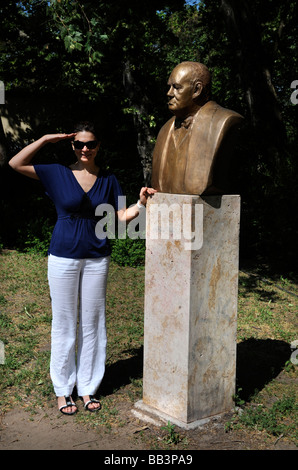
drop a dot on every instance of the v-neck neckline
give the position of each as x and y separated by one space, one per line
79 185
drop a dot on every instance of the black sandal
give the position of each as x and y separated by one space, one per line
92 400
69 402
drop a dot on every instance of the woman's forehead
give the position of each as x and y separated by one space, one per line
85 136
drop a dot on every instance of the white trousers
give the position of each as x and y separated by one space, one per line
76 282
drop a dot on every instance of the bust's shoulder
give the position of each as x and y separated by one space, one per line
213 111
167 126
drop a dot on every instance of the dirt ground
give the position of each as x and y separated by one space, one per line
47 429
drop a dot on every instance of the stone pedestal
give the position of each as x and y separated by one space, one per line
191 289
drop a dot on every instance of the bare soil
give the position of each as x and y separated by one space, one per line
47 429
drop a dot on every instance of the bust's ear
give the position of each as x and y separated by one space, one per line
198 88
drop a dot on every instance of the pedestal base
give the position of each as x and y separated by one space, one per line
191 289
150 415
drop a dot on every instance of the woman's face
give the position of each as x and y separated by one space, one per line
85 146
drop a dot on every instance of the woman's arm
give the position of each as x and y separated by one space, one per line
126 215
21 162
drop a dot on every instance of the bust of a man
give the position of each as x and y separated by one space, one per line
194 141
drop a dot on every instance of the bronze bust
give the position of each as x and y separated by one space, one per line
193 142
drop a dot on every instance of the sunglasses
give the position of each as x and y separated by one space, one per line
78 145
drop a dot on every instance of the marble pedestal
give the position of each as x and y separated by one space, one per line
190 319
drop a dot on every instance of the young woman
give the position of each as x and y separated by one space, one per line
78 261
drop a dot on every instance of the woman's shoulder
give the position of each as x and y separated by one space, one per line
48 170
50 166
110 179
108 174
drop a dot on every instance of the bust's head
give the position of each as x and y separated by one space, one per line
189 88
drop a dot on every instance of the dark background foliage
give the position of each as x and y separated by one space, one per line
63 61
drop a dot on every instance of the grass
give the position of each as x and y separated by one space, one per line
267 378
266 399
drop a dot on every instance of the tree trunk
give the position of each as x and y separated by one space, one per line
255 75
145 137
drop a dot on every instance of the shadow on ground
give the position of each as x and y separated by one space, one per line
122 372
258 362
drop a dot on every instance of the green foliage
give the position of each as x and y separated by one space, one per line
78 31
273 420
128 252
38 236
172 436
64 60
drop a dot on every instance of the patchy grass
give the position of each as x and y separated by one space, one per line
266 376
266 397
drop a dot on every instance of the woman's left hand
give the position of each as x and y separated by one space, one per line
145 193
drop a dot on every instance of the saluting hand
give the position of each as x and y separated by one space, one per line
53 138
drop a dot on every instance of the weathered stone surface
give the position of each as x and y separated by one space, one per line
191 305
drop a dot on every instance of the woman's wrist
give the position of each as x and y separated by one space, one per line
140 205
45 139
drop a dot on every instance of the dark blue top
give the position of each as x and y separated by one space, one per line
74 232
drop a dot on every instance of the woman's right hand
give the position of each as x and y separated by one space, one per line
53 138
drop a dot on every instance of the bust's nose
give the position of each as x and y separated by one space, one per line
170 92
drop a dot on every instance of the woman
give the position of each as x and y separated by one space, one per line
78 261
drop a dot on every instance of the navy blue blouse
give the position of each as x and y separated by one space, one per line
74 232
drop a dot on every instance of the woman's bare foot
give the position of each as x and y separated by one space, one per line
90 403
66 405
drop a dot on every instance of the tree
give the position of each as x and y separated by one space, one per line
123 42
257 43
109 61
